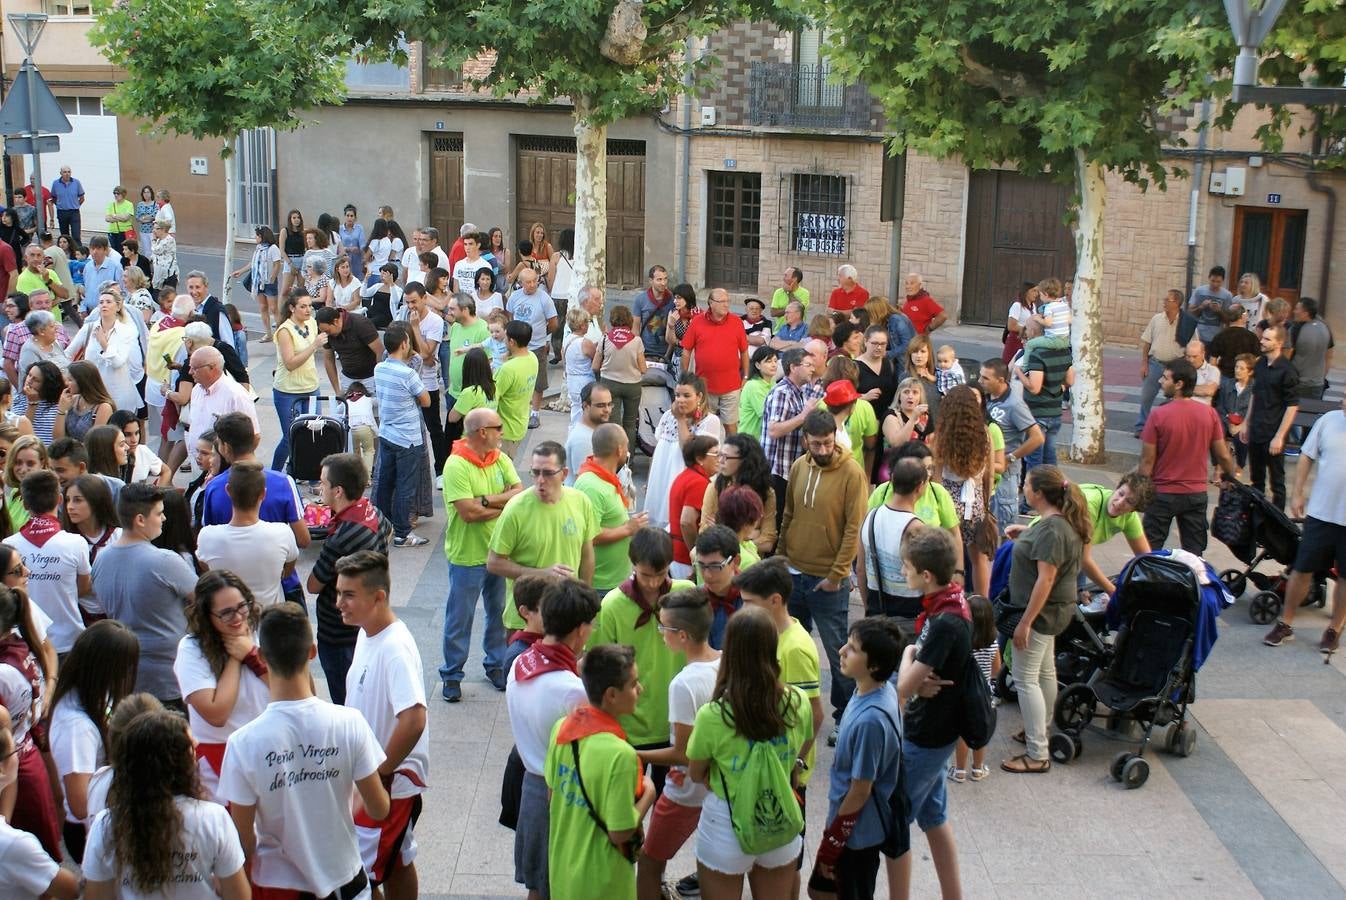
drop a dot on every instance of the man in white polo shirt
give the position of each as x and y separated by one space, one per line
215 393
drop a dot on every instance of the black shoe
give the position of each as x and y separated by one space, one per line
832 736
689 886
497 679
453 692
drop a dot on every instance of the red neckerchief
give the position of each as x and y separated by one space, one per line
169 321
632 591
620 336
947 600
729 602
591 465
528 637
41 529
460 448
659 303
361 512
542 658
587 720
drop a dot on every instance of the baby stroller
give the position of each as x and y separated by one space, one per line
1254 529
313 438
656 397
1151 676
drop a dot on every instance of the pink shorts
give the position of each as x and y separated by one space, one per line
671 824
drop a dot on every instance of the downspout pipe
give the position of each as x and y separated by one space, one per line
1330 227
685 213
1198 177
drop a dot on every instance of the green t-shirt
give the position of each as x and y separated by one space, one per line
28 282
471 398
798 658
1105 526
860 424
780 299
612 563
997 445
751 403
934 507
715 740
747 554
465 543
18 513
461 336
616 624
540 535
514 383
583 861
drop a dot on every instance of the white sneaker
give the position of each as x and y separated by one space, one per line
411 540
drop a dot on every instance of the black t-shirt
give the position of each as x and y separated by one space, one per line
944 644
1274 391
351 346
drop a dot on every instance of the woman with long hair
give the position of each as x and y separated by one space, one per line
111 341
91 404
919 363
878 379
23 677
99 670
90 512
1043 570
42 389
749 706
478 387
109 454
28 868
496 246
12 234
7 414
345 286
265 268
145 465
963 463
542 248
684 308
158 835
26 455
762 370
688 416
222 678
561 285
743 464
1021 310
177 531
146 208
298 341
127 710
292 247
383 248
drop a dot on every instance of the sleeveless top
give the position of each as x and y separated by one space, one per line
77 424
303 380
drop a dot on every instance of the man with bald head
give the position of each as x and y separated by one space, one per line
478 480
921 308
531 304
215 393
718 344
817 351
598 480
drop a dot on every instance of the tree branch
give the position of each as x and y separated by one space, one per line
1009 85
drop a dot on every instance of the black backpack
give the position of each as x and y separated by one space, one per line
976 714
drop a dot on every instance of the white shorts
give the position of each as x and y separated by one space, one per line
717 846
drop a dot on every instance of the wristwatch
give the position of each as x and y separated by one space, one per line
484 501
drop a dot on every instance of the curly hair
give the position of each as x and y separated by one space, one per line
961 443
748 685
200 622
155 764
753 469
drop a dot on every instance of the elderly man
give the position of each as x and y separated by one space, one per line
215 393
18 335
592 300
69 196
36 276
792 290
1159 346
926 315
1207 374
532 304
600 481
209 307
718 345
478 481
101 268
817 351
848 294
197 334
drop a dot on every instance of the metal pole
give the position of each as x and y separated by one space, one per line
37 157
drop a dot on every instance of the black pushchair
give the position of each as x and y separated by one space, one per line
1255 529
313 438
1151 677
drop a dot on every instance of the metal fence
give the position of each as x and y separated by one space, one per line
804 96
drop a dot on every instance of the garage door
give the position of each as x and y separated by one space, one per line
91 152
545 192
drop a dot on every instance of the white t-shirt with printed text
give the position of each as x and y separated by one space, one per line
53 581
384 680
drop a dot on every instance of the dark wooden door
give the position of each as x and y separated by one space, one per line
1270 244
1016 232
446 185
545 191
734 229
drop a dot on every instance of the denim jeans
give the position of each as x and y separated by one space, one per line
466 583
336 662
1005 502
830 609
1046 454
399 469
1148 391
287 407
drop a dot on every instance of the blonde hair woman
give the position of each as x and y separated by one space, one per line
111 341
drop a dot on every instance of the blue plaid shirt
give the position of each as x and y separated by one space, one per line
785 402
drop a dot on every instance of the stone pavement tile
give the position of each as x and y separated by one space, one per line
485 885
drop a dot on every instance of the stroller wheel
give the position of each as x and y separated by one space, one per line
1063 747
1235 581
1074 708
1265 607
1135 773
1118 761
1183 742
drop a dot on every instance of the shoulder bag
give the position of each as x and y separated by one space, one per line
632 845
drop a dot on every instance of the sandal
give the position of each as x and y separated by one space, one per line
265 339
1023 764
957 775
977 773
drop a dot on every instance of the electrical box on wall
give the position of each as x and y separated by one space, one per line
707 116
1217 182
1235 181
199 166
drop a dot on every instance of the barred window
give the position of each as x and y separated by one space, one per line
819 219
255 155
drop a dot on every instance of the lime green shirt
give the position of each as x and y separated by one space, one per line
466 543
121 208
583 862
715 740
18 513
461 336
514 383
751 403
616 624
612 563
1105 526
798 658
934 508
997 446
861 423
471 398
747 554
540 535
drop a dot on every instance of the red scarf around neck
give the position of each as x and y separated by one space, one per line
542 658
41 529
461 448
620 336
730 602
361 512
632 591
948 600
587 720
591 465
528 637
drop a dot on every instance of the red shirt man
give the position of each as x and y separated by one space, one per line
925 314
718 344
848 294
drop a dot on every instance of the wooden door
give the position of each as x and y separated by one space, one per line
1016 232
733 229
446 186
1269 242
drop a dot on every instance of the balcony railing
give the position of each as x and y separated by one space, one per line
802 96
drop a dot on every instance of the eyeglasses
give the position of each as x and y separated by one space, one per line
724 457
201 368
715 566
234 613
544 473
666 629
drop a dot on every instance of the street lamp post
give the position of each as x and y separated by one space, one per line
1251 22
28 30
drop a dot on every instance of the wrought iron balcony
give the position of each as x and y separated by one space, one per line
802 96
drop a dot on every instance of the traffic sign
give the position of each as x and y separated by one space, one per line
46 143
15 113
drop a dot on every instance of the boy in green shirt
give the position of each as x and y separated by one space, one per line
598 794
514 384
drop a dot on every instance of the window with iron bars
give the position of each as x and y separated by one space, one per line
817 220
254 158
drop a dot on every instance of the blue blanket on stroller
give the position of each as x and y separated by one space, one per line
1214 599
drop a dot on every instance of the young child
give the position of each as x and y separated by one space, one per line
528 591
864 775
364 426
240 334
1053 313
495 345
579 367
986 650
684 621
1232 402
948 371
592 771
